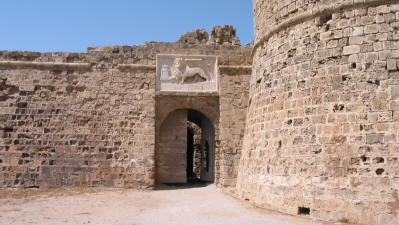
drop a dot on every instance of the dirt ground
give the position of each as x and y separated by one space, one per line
172 205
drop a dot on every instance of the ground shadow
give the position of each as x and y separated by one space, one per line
191 183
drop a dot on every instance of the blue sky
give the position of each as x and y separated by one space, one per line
73 25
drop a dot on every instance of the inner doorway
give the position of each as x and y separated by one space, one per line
186 148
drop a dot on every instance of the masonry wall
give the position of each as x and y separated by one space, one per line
67 127
322 127
233 108
172 152
89 119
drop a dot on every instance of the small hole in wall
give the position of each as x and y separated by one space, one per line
354 65
364 158
324 19
376 82
379 171
318 151
303 211
338 107
8 129
379 160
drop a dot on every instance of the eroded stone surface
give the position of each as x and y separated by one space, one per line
225 35
322 125
195 37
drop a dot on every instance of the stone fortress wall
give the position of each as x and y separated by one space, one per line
314 130
88 119
322 130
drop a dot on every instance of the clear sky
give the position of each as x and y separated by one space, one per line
73 25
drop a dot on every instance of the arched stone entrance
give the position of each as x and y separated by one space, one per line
175 161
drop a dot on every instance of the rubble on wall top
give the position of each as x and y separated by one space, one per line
220 35
197 36
224 35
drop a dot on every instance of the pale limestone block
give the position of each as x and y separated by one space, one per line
326 35
371 29
353 58
395 92
357 31
356 40
380 18
389 17
377 46
383 28
391 64
351 49
371 57
383 55
383 9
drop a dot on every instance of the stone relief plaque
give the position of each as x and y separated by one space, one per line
187 73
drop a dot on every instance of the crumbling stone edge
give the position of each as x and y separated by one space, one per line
45 65
317 12
136 67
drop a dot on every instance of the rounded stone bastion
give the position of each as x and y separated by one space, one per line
322 128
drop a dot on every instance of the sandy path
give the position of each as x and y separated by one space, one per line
192 206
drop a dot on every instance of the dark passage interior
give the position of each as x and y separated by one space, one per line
193 151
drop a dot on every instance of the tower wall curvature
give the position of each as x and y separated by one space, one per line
322 127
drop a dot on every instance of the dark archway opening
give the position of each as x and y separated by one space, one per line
186 149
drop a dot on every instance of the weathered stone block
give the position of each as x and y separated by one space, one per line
375 139
394 54
357 31
352 49
356 40
395 92
391 64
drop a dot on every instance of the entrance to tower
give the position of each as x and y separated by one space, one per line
186 148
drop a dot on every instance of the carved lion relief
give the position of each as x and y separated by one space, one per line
178 73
